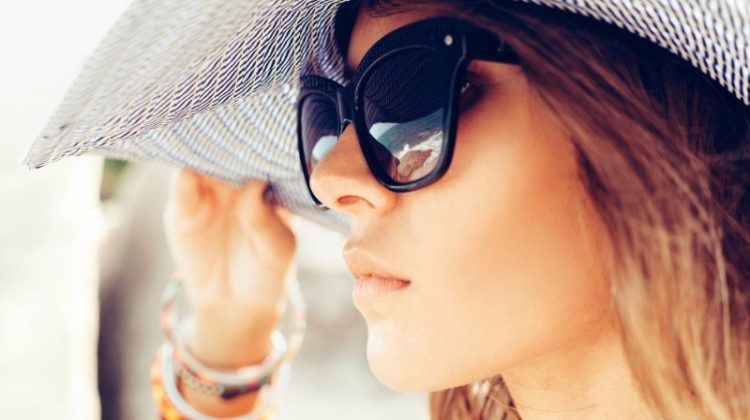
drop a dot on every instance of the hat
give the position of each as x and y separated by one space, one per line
211 85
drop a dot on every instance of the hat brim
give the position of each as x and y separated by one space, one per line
211 85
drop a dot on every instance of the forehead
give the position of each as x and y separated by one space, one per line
368 29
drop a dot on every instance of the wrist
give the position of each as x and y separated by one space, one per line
226 343
229 311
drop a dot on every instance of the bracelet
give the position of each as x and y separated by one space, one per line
228 384
225 384
174 406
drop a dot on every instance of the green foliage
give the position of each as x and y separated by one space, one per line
113 170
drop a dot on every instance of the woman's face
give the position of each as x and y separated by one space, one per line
504 252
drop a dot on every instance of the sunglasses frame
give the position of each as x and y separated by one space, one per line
454 42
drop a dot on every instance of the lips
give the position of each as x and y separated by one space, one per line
364 265
370 290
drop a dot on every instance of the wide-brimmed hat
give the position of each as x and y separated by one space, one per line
211 85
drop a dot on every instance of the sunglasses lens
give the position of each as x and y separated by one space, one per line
319 128
403 99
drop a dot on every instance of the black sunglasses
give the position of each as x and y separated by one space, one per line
403 101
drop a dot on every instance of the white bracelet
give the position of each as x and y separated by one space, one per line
237 377
269 395
225 383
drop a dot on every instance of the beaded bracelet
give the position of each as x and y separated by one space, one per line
225 384
229 384
172 406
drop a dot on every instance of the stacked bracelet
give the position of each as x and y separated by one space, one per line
269 376
269 395
224 384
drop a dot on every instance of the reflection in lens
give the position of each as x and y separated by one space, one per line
322 146
404 112
416 146
319 121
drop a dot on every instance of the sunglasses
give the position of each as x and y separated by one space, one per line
403 100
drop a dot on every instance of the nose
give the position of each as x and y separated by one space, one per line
343 182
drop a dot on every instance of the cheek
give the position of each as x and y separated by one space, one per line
509 263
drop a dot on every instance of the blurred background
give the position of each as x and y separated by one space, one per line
84 259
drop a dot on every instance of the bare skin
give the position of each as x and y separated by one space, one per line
507 247
234 253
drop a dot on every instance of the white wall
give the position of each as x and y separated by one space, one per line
51 217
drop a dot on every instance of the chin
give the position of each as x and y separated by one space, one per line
396 379
402 367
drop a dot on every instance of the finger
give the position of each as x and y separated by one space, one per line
224 193
260 220
284 237
286 215
189 208
252 209
185 189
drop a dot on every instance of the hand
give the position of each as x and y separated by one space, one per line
234 252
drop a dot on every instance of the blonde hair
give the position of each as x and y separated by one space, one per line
665 155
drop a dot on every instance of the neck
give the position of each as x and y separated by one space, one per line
588 381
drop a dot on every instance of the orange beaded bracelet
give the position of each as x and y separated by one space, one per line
173 407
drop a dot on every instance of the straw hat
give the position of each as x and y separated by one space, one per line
211 84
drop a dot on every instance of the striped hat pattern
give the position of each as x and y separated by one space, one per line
211 84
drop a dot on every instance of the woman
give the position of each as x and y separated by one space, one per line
584 255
